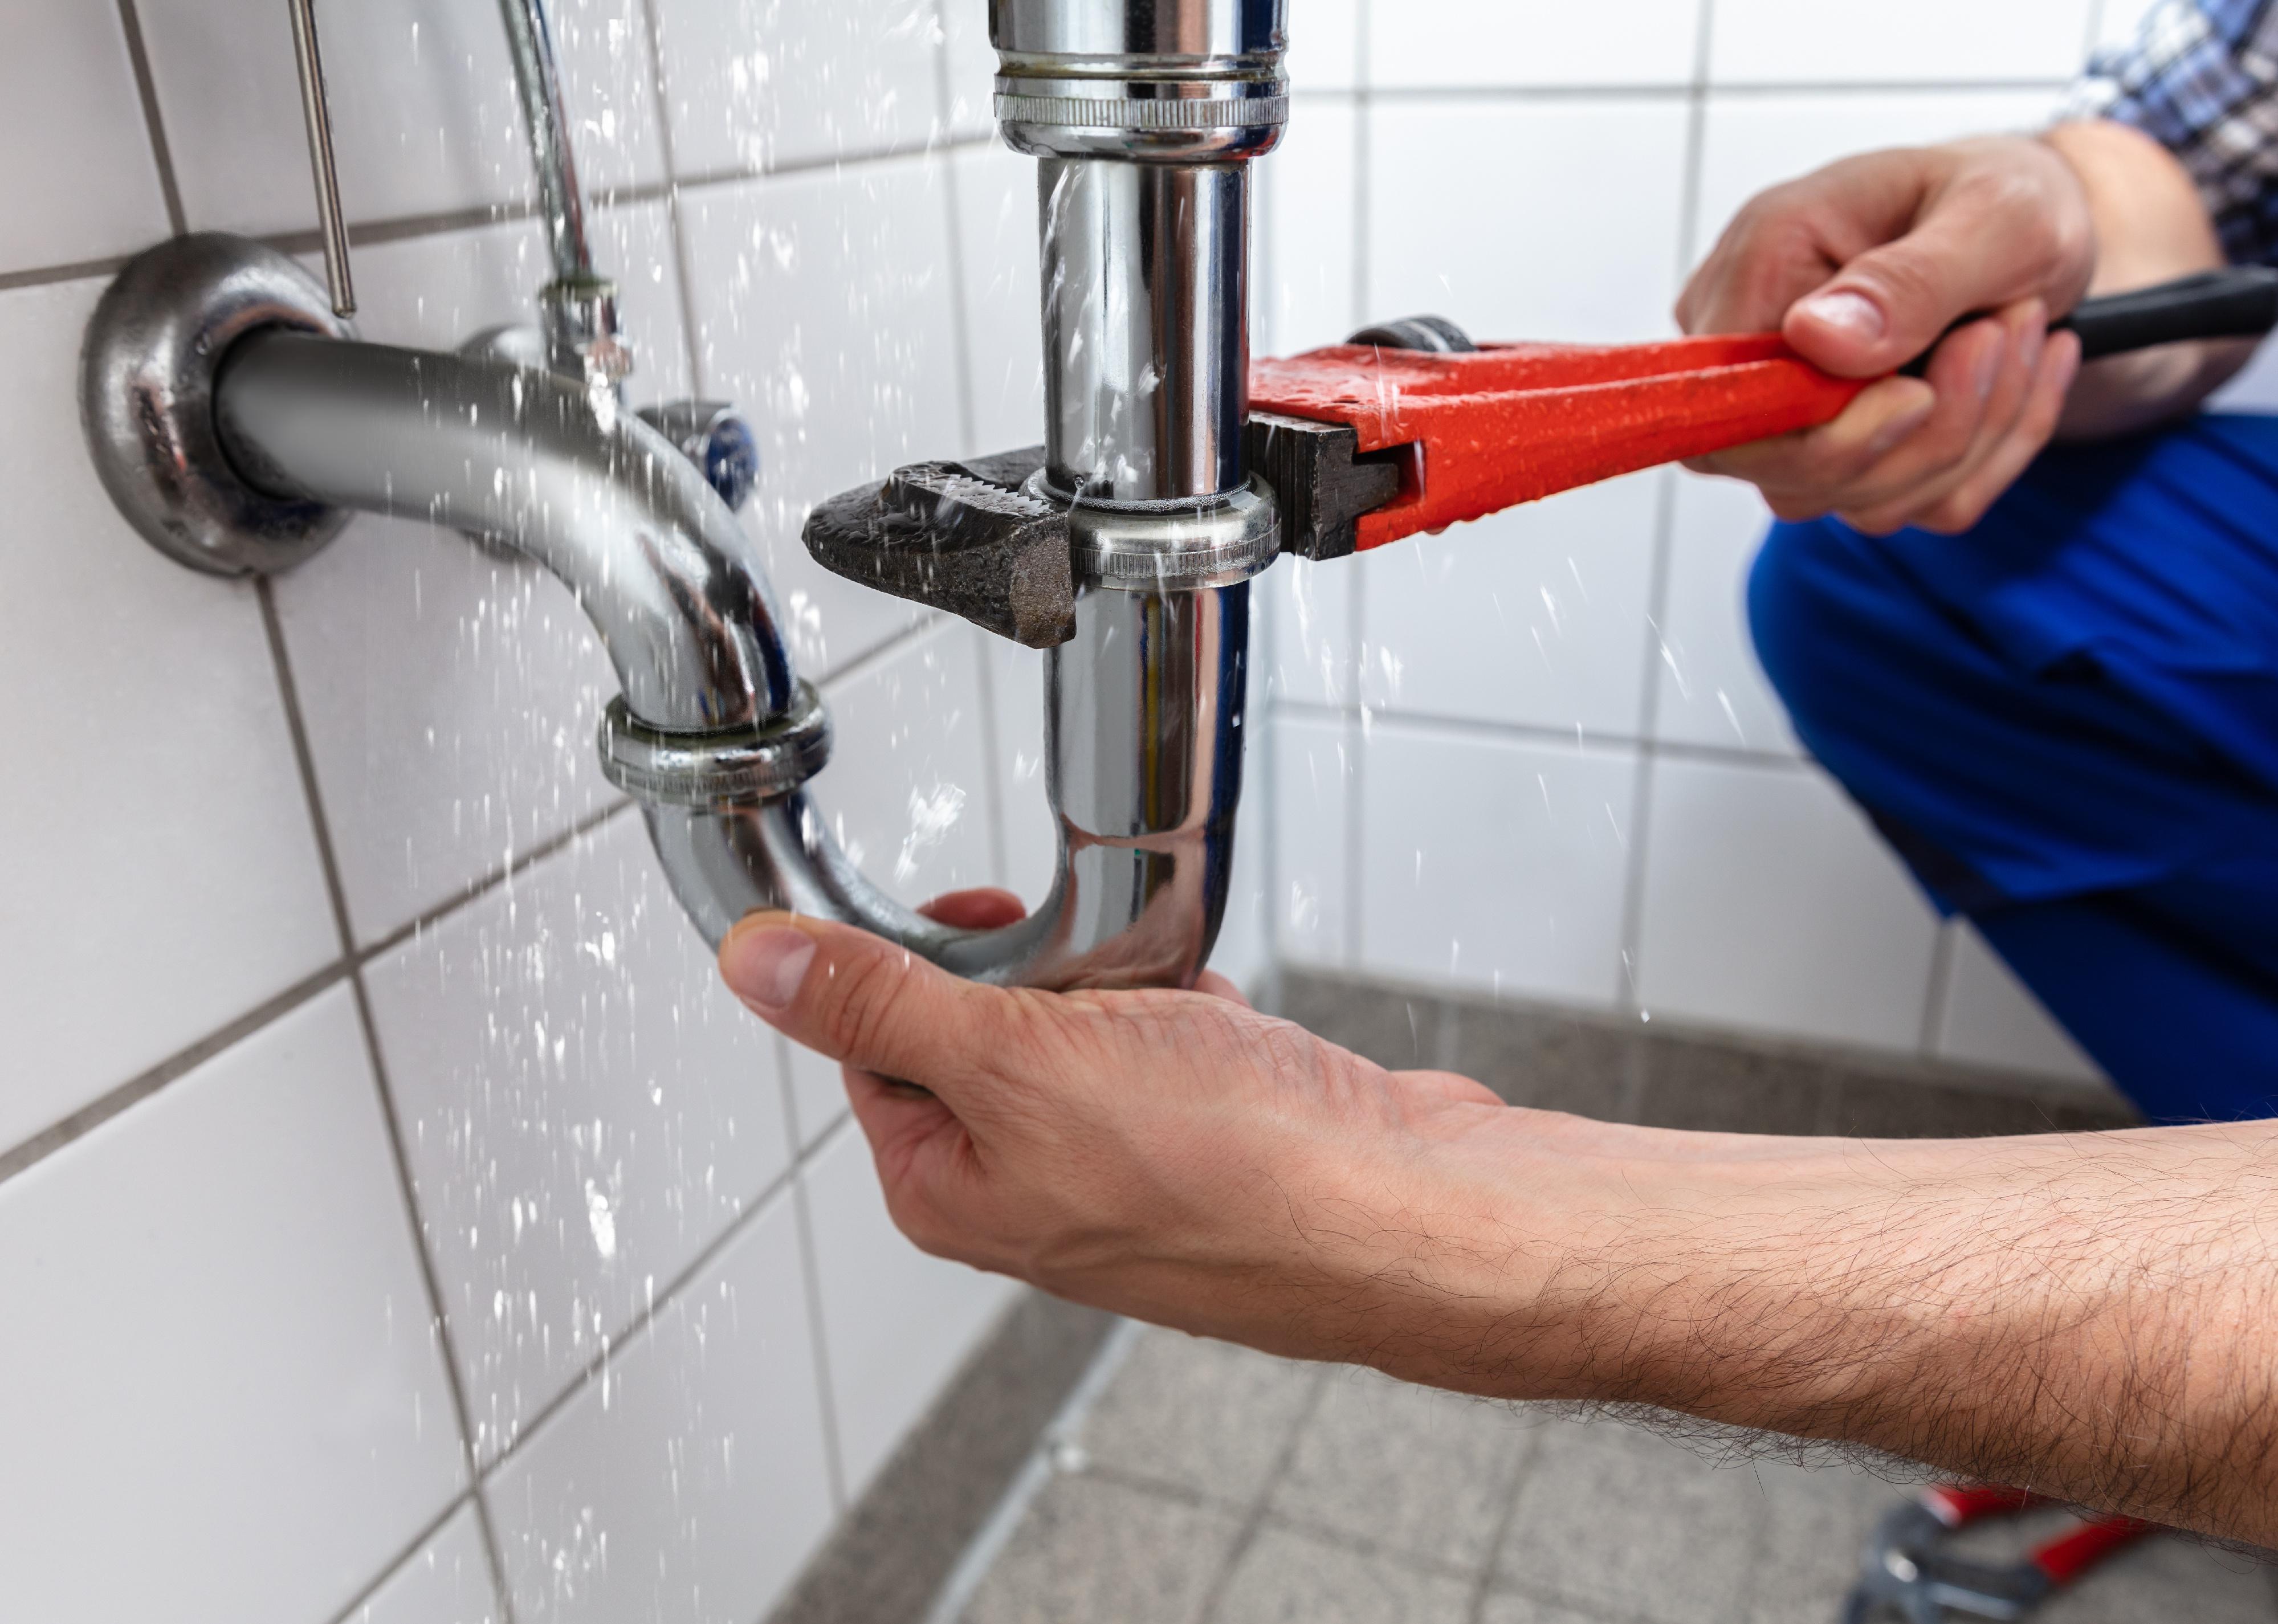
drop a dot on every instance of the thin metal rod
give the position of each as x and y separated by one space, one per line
316 111
540 79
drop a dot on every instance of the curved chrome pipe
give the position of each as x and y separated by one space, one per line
656 559
1143 710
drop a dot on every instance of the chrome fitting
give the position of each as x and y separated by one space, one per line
733 767
148 372
582 340
1172 546
1178 81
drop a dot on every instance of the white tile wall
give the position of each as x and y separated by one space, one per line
1493 862
687 1481
1770 902
221 1353
447 1581
1553 220
231 1368
67 89
895 1323
584 1108
204 852
1711 690
1534 616
1932 41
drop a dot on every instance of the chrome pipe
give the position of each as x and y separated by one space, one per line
538 77
656 559
1143 710
1146 350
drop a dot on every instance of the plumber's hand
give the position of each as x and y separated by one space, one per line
1172 1155
1862 265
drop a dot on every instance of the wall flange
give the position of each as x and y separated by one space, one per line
157 342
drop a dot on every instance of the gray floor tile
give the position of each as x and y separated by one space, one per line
2167 1578
1726 1088
1615 1519
1091 1551
1205 1415
1877 1106
1507 1608
1815 1521
1551 1060
1398 1030
1425 1474
1287 1578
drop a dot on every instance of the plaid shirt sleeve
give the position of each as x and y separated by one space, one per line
2201 78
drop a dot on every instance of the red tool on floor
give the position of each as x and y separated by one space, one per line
1903 1571
1469 430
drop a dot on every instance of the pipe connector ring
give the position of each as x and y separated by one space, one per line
736 766
1172 546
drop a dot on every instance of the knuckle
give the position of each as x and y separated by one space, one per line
859 1002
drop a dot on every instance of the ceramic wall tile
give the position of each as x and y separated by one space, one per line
1935 41
1770 902
425 117
1324 45
1314 790
824 304
908 793
85 182
1534 616
1991 1018
2117 20
1474 44
768 84
1003 328
1495 863
1304 233
1016 686
223 1362
1305 643
1581 241
687 1481
1712 691
447 1581
1754 140
207 857
586 1107
895 1323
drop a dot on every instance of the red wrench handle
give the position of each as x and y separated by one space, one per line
2064 1558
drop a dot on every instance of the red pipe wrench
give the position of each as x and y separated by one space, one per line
1466 431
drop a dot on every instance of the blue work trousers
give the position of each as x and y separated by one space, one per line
2066 721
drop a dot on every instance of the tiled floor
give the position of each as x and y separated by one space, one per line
1211 1485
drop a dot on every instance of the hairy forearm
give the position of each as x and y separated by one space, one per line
2090 1315
2149 227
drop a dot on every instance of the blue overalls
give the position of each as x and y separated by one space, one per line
2067 722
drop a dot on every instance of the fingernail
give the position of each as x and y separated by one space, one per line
1989 365
764 967
1853 313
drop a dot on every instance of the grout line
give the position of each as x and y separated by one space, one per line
394 1564
870 660
1484 1584
683 278
48 276
1254 1519
1680 90
1533 733
31 1152
146 87
826 1388
988 1544
618 1346
312 791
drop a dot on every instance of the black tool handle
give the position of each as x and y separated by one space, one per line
2238 301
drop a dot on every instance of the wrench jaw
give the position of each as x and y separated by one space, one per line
1903 1573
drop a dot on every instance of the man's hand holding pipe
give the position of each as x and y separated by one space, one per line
2087 1314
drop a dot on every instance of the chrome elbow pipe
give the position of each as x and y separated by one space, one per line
535 461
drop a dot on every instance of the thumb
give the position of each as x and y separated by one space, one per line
1893 302
855 997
